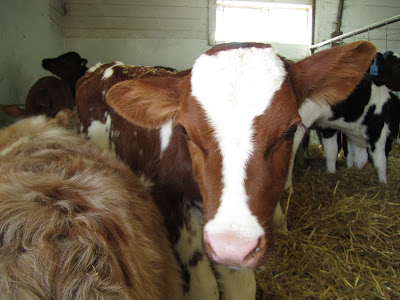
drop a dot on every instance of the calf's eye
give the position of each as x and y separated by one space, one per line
290 132
184 131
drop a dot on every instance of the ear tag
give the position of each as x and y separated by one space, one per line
373 70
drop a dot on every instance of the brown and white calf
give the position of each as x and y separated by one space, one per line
75 223
50 94
216 143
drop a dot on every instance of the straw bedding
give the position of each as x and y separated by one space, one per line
344 235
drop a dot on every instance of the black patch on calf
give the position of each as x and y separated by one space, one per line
353 107
392 117
327 133
185 277
374 125
197 256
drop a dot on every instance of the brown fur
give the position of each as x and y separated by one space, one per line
47 96
138 147
75 223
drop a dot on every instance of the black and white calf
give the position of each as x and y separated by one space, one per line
369 118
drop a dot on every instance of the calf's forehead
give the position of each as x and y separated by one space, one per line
237 84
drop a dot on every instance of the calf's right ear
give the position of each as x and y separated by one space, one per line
149 102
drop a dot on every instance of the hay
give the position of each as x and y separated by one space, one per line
344 235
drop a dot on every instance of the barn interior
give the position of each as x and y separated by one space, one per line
343 240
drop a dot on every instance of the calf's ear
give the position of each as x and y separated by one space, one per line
149 102
13 111
331 75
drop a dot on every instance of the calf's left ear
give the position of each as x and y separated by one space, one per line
331 75
149 102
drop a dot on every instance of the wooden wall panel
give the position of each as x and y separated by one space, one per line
154 19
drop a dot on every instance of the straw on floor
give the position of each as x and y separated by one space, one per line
344 235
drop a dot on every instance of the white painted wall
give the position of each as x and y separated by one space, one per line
171 33
174 32
175 53
27 35
142 32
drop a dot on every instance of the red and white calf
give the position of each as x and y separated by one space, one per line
50 94
216 144
75 223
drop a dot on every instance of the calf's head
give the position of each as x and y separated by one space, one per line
68 66
238 109
388 70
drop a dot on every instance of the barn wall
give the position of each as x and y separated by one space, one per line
174 32
358 14
171 33
27 36
154 32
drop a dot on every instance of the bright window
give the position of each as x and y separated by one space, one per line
239 21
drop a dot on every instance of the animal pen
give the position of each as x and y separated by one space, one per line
344 228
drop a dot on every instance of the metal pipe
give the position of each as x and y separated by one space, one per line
339 16
357 31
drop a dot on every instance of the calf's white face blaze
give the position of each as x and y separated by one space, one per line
234 87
